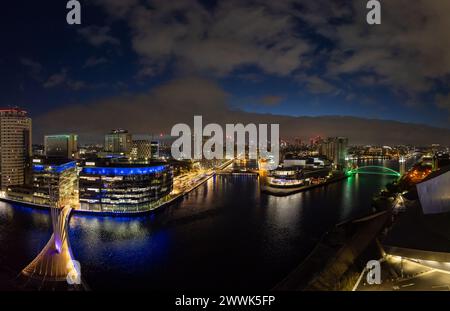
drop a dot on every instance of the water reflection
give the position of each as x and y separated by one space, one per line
225 234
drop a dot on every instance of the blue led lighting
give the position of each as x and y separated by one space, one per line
38 168
121 171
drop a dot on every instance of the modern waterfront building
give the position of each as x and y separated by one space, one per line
55 180
110 186
61 146
286 178
15 146
335 149
295 176
118 141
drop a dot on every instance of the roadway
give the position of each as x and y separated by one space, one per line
187 182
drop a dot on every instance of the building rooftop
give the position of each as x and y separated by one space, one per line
52 161
119 163
421 236
14 110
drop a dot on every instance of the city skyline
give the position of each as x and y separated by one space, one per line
315 59
262 148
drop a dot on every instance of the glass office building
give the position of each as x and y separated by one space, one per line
118 141
55 180
61 146
336 150
123 187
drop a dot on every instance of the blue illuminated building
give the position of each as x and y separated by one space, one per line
55 168
55 175
106 185
123 171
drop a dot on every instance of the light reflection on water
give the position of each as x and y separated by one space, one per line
225 234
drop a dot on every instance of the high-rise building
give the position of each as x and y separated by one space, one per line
15 146
141 150
118 141
61 146
335 149
155 150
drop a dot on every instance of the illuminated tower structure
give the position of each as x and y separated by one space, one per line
402 163
155 150
336 150
15 146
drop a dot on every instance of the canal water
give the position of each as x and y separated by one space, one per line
223 235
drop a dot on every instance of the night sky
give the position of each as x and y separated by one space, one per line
144 65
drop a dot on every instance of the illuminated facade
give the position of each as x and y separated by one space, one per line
121 187
61 146
58 177
141 150
286 177
297 176
15 146
155 150
118 141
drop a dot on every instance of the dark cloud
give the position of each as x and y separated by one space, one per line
443 102
408 52
179 100
234 34
316 84
35 68
33 65
154 111
98 36
325 46
62 79
94 61
145 72
56 79
118 8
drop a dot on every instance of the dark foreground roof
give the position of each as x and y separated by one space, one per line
413 230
